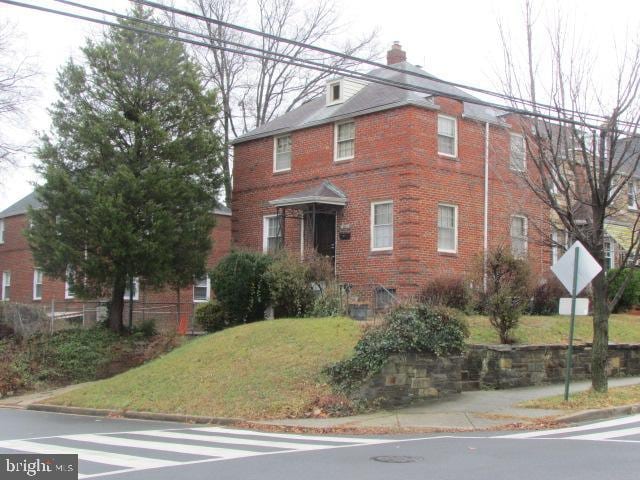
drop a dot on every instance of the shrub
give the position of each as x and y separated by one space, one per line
328 303
507 295
290 291
631 295
212 317
449 292
146 329
546 297
416 329
239 285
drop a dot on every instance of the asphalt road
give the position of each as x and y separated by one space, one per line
128 449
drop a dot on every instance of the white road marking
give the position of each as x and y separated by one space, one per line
97 456
623 432
366 441
592 426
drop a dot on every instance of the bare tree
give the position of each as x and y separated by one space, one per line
16 90
255 90
582 166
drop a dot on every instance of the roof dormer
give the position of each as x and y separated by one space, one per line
339 90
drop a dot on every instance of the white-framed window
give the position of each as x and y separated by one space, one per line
447 228
37 284
559 244
345 140
282 153
6 285
632 195
382 225
447 136
519 241
517 152
202 289
68 284
334 92
609 256
136 289
271 234
1 230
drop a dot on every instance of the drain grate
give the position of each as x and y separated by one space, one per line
396 459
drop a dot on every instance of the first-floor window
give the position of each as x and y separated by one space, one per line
559 244
271 234
519 236
37 284
382 225
447 228
609 257
201 289
136 289
6 285
68 284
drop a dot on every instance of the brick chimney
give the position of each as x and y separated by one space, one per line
396 54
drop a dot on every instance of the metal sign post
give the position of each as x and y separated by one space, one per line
567 379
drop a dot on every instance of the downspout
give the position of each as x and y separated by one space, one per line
485 246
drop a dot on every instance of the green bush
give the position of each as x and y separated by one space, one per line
328 303
288 281
146 329
631 295
451 292
239 284
212 317
415 329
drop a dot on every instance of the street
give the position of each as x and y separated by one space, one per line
128 449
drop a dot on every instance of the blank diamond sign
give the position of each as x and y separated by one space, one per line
588 268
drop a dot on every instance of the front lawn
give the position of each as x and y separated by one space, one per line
588 400
555 329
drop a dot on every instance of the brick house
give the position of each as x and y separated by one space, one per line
22 282
395 186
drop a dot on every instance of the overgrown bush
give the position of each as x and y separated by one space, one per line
452 292
288 281
212 317
146 329
327 303
631 295
22 319
417 329
239 284
508 292
546 297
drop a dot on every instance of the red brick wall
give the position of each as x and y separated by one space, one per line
15 256
395 159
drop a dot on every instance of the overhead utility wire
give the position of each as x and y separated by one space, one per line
297 62
327 51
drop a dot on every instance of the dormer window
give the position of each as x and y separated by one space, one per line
335 92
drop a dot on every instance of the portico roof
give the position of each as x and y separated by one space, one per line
326 193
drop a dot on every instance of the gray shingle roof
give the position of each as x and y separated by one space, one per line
21 206
326 192
374 97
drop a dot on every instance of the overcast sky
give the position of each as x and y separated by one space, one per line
454 39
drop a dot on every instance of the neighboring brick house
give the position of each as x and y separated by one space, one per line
396 186
22 282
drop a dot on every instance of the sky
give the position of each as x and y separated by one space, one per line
456 40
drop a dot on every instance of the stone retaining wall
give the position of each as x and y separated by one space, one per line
410 378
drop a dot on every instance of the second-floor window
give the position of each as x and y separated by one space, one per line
632 195
519 240
382 225
447 136
201 289
517 150
6 285
1 231
559 244
37 284
282 153
345 134
447 228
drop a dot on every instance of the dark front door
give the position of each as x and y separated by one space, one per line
325 238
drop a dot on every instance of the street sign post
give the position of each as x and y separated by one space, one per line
575 269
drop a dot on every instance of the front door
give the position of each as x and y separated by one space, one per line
325 237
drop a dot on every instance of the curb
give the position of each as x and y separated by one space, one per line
161 417
598 414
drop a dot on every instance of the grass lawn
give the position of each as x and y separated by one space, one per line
555 329
261 370
588 400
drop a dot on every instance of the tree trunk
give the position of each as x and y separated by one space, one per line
600 334
117 305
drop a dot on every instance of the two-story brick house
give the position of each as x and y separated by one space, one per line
396 186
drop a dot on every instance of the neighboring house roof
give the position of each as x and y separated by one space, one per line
22 205
375 97
627 151
325 193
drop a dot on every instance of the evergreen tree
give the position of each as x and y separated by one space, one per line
131 168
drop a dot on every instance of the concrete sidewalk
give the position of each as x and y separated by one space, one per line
470 410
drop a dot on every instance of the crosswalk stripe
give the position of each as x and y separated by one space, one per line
623 432
593 426
288 436
163 446
232 440
95 456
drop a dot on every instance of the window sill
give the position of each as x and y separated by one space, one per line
447 254
200 301
375 253
632 209
343 160
445 156
281 172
